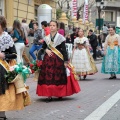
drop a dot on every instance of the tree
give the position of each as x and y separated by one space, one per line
58 13
63 5
90 5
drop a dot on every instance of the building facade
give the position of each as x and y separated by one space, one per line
19 9
112 12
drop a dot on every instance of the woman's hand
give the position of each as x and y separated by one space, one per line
49 52
2 55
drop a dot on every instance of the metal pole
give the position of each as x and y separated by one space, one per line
99 26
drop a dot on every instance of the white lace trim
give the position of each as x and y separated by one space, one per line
57 40
5 41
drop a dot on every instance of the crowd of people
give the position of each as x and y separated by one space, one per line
59 74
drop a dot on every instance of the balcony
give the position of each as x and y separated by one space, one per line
112 3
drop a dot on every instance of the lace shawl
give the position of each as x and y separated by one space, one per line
83 40
5 41
57 40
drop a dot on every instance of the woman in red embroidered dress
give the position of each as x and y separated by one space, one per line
55 78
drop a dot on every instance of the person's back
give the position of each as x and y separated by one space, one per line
93 40
105 29
25 28
61 31
73 36
17 35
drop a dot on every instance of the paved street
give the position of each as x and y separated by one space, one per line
95 90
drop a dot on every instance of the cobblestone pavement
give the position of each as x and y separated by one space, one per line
95 90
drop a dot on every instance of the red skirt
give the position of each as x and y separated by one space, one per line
70 88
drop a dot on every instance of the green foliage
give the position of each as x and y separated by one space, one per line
58 13
10 76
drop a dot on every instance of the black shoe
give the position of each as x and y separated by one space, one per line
84 77
112 77
60 98
3 118
49 99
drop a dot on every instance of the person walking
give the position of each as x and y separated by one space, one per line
25 31
93 42
111 60
37 42
82 60
55 77
18 38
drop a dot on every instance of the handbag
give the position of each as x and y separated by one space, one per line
26 41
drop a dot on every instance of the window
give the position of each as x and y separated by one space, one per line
109 16
36 12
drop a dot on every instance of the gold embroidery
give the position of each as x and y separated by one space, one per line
4 64
56 52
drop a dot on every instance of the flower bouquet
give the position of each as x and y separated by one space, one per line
35 68
18 74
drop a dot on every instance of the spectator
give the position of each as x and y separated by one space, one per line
31 24
100 40
68 39
45 27
25 27
108 25
73 35
93 41
62 29
70 29
31 32
105 32
26 31
18 38
37 43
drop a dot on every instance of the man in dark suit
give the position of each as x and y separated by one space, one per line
93 41
73 35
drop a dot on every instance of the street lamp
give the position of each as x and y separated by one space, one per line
99 5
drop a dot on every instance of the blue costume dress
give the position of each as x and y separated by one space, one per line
111 61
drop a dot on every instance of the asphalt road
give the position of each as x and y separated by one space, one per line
98 100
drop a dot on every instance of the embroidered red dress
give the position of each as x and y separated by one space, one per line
54 79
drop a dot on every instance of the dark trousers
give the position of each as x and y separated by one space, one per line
104 37
94 51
